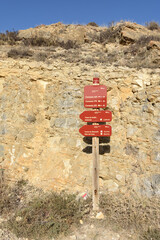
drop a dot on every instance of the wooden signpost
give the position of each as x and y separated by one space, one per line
95 96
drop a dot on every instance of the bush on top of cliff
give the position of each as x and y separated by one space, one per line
145 39
110 35
10 37
153 26
40 41
93 24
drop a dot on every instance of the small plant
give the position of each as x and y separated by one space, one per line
37 41
151 234
145 39
153 26
18 52
111 24
68 45
110 35
41 56
10 37
92 24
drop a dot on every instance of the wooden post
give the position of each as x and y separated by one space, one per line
95 152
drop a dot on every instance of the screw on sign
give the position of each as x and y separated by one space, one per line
95 96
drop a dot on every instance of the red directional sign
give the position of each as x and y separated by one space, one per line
96 130
95 96
96 116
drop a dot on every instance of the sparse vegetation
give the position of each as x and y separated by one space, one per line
41 56
110 35
151 234
38 41
92 24
19 52
51 214
145 39
10 37
111 24
153 26
11 196
47 216
131 211
68 44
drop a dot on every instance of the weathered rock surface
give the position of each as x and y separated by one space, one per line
61 33
40 107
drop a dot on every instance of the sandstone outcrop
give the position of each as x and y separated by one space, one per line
40 107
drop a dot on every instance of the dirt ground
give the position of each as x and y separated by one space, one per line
91 229
98 231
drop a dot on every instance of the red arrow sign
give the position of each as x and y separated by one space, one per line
95 96
96 130
96 116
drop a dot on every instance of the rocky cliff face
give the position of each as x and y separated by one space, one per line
41 102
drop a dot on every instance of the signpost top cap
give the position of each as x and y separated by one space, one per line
95 80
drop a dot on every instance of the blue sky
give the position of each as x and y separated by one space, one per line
20 14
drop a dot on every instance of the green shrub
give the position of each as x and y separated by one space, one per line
40 41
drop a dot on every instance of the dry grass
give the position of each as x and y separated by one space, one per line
153 25
11 196
130 212
45 216
49 214
111 35
151 234
20 53
9 37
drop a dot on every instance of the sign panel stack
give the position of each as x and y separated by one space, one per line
95 96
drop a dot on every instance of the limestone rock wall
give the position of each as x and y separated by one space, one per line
39 123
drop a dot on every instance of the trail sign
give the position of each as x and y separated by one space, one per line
96 116
96 130
95 96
